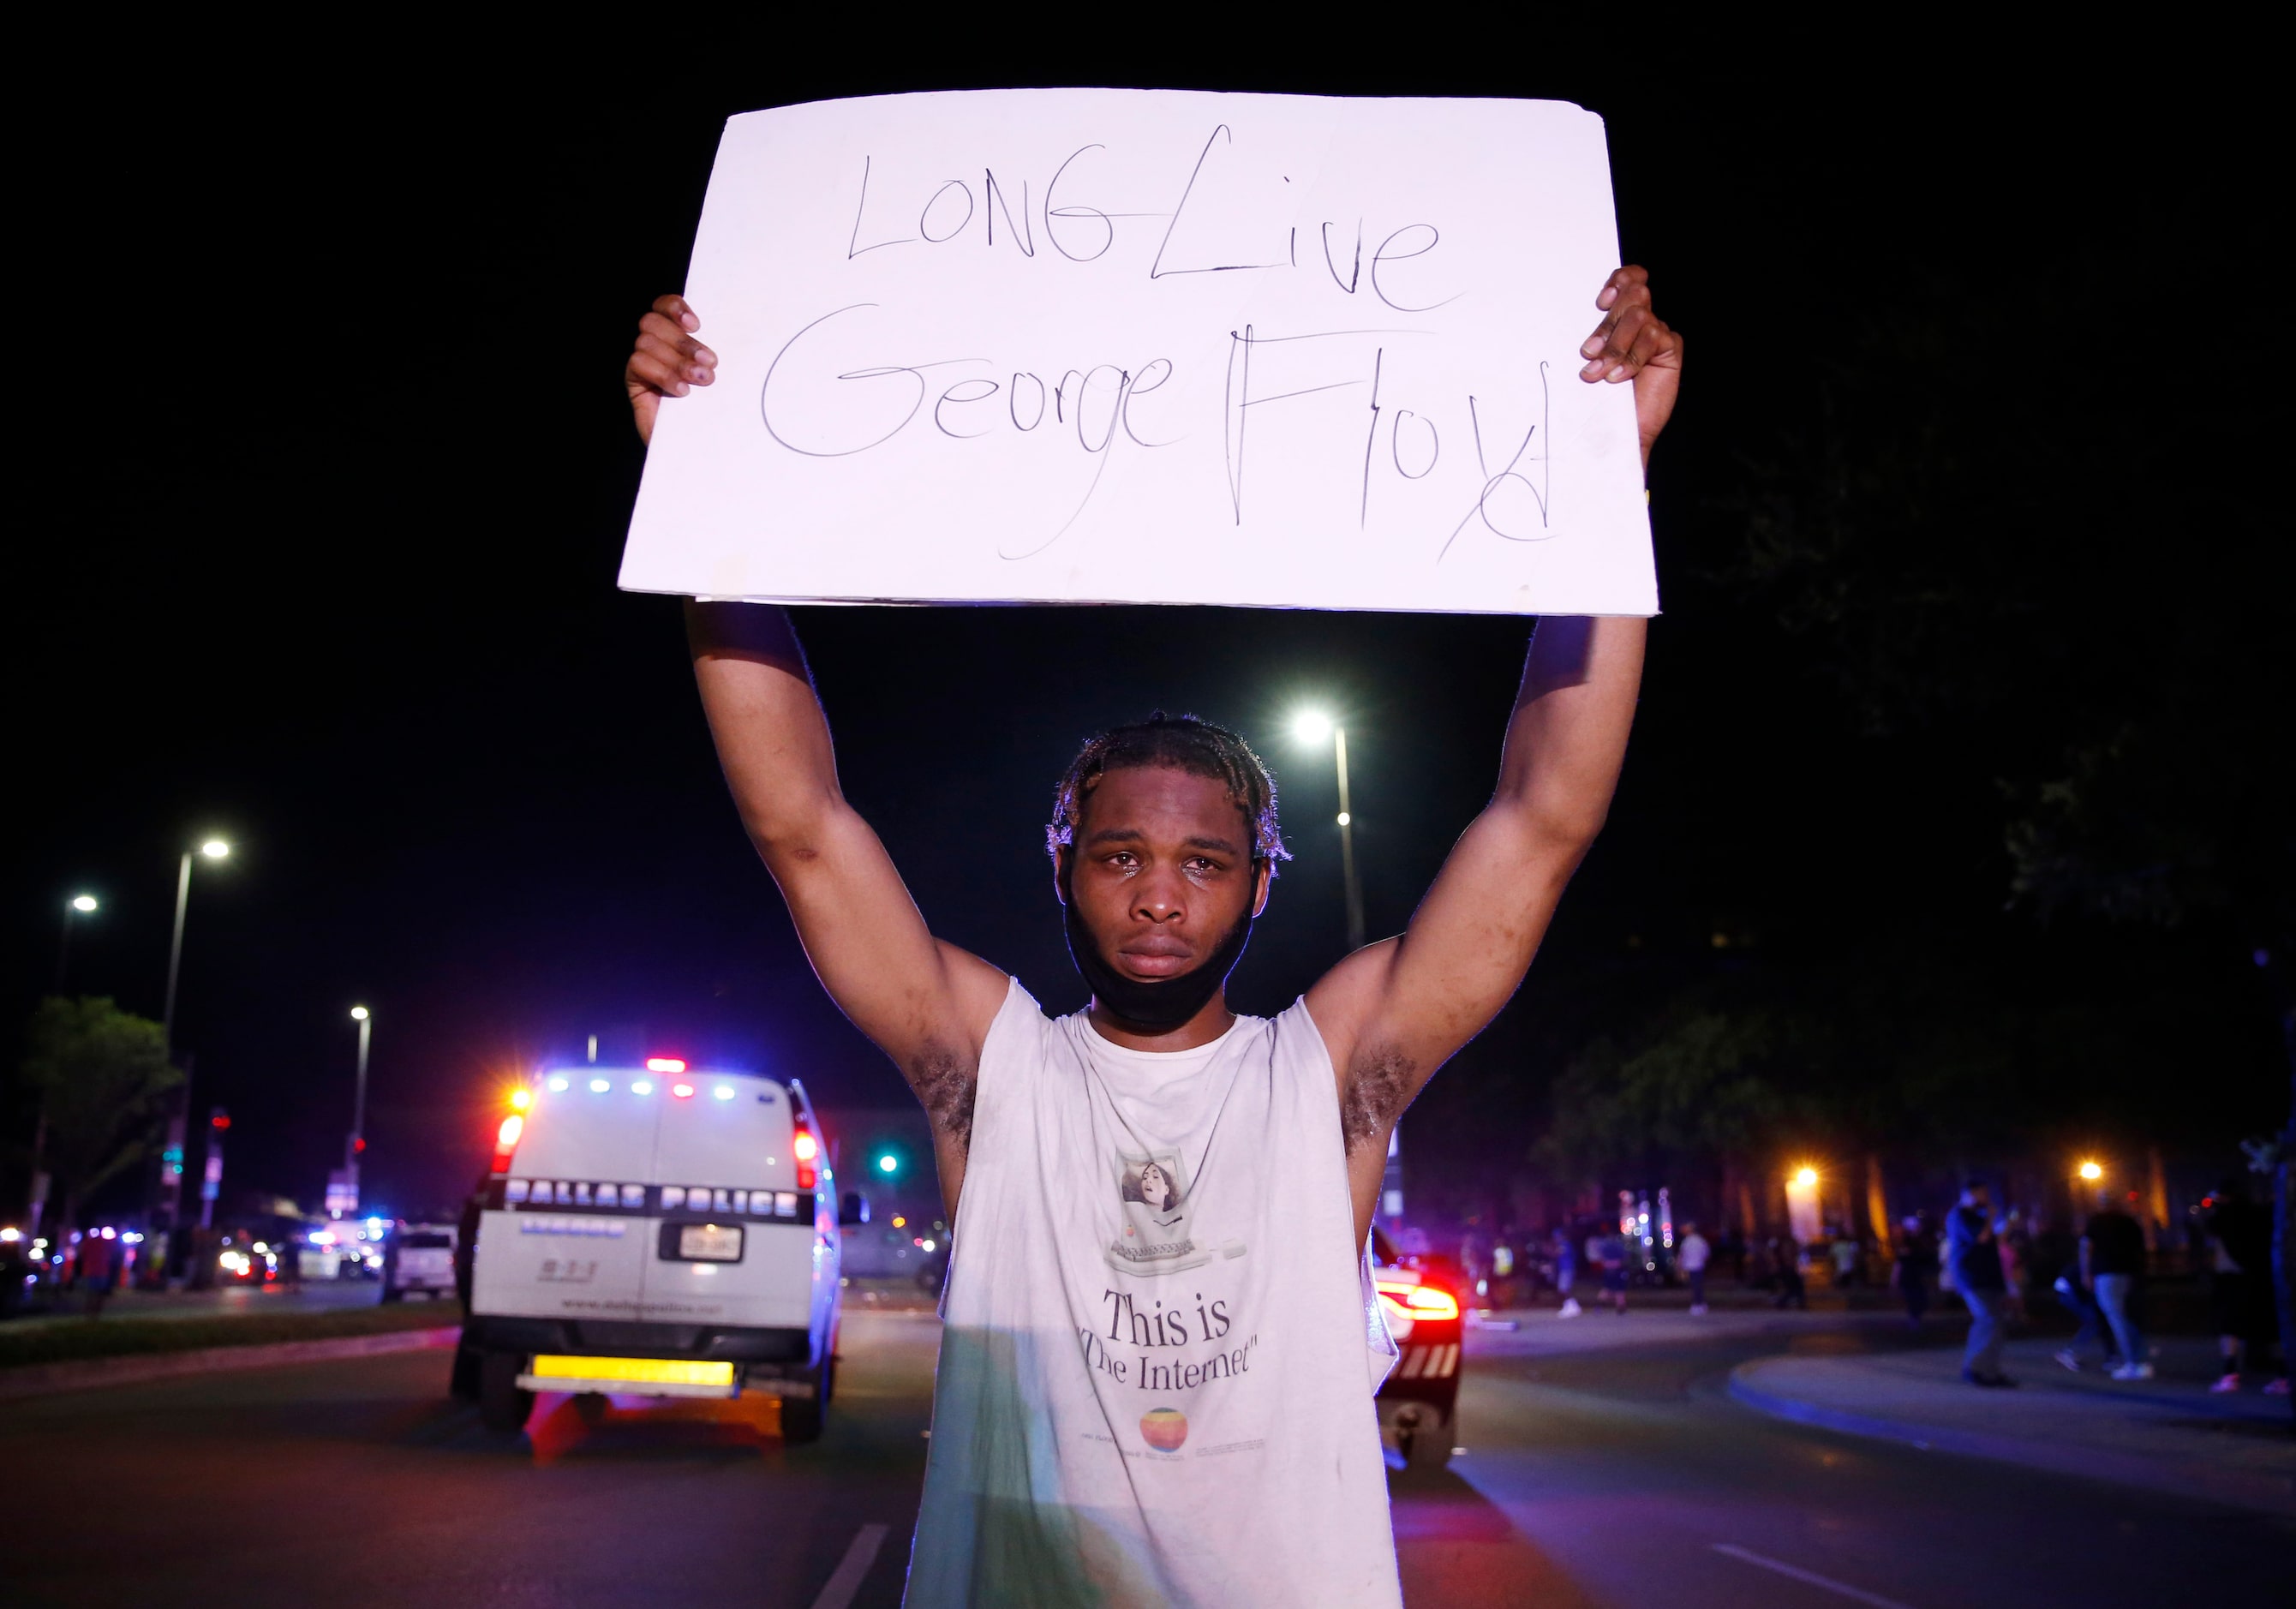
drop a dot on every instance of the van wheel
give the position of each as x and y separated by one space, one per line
393 1293
463 1383
503 1407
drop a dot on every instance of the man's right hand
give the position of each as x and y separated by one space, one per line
666 360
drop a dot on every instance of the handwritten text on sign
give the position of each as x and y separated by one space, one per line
1120 346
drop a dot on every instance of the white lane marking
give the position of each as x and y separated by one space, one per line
847 1581
1797 1573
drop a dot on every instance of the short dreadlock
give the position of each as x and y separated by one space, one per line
1182 742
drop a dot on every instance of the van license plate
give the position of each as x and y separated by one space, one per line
709 1243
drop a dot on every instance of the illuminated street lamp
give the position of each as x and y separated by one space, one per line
1311 727
2090 1171
78 905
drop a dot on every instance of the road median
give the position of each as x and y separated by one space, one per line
72 1357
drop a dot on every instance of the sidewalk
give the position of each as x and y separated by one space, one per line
2169 1434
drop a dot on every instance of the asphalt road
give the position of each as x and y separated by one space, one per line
1615 1477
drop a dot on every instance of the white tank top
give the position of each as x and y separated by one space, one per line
1160 1339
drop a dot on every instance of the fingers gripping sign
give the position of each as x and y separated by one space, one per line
666 361
1634 343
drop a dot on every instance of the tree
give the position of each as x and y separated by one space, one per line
98 1075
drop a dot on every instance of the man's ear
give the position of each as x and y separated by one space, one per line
1267 881
1060 858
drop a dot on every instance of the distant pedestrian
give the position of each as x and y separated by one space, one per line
1794 1292
1844 1251
2240 1284
1566 1272
1973 1258
1691 1255
1608 1252
2112 1261
1916 1266
99 1270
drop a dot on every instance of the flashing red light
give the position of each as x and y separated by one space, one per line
218 1122
664 1064
358 1145
1418 1302
682 1090
805 1149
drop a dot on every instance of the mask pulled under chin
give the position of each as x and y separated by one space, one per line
1163 1004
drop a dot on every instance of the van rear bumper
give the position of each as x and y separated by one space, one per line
767 1352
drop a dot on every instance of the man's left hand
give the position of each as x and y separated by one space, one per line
1634 343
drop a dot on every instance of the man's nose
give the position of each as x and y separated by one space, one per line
1155 899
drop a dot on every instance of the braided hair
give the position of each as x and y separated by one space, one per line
1181 742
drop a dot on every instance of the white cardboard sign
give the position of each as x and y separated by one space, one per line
1122 346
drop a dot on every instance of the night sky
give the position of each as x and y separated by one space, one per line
332 466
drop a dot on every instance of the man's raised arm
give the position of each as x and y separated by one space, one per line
1394 1011
926 1004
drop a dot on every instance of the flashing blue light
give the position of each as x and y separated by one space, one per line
600 1086
558 1084
724 1092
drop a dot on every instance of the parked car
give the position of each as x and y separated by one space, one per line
656 1232
418 1257
1421 1297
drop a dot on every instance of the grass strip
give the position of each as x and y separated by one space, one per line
133 1337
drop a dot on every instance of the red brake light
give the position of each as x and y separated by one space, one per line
805 1149
664 1064
1430 1303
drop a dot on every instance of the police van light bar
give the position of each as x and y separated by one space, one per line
682 1090
724 1092
600 1086
558 1084
642 1087
664 1064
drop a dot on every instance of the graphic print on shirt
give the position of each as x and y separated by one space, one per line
1153 1238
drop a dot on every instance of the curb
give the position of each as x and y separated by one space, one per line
39 1379
2234 1488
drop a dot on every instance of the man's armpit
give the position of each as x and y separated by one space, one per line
1377 1085
944 1081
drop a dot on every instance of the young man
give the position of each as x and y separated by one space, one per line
1691 1255
1161 1341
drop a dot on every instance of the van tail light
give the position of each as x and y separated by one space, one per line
807 1152
506 1141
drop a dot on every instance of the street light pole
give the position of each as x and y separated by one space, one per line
172 1152
1348 846
353 1145
175 953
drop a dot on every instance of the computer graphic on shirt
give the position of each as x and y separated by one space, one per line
1153 1236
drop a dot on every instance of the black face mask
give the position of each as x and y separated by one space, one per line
1163 1004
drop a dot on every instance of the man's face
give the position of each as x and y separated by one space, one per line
1162 870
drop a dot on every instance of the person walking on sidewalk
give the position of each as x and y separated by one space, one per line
1916 1266
1793 1291
2240 1284
1973 1258
1692 1254
1607 1251
2111 1259
1566 1271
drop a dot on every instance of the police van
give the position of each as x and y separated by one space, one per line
657 1231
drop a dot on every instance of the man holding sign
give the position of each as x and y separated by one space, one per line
1161 1343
